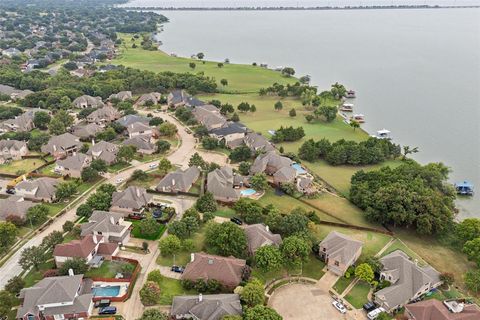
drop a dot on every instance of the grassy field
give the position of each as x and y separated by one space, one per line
170 288
342 284
372 242
24 166
241 78
358 296
137 233
108 269
399 245
224 212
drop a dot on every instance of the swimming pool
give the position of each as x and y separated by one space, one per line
247 192
299 168
108 291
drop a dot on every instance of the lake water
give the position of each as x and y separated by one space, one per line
416 72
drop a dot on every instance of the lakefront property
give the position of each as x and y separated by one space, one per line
137 184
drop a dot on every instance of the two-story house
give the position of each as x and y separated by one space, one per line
339 252
111 225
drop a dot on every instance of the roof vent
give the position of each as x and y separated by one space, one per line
70 272
210 261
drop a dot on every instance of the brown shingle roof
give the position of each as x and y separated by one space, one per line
436 310
77 248
227 270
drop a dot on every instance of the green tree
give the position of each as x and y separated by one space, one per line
224 82
241 153
288 71
292 113
78 266
56 127
155 276
328 112
170 245
89 174
37 214
243 107
210 143
364 272
468 229
68 226
278 106
197 161
409 150
354 124
7 302
15 284
163 146
226 239
139 175
32 257
41 119
84 210
148 227
261 312
8 233
164 166
153 314
51 240
295 250
100 201
99 165
253 293
65 189
447 278
126 153
472 249
268 258
235 117
167 129
150 293
253 108
220 65
179 229
244 168
472 280
383 316
259 182
192 65
206 203
309 118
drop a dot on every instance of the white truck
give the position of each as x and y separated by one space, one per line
372 315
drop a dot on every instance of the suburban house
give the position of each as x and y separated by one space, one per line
142 143
64 297
73 165
21 123
229 271
41 189
177 98
112 226
14 208
270 163
206 307
437 310
93 248
409 281
180 180
87 131
139 129
259 235
12 150
62 145
132 118
122 95
220 182
13 93
153 97
257 143
104 115
339 252
209 116
103 150
284 175
132 200
232 134
87 101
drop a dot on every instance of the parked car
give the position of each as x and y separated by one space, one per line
236 221
177 269
119 180
339 306
372 315
102 303
108 310
157 213
10 191
369 306
153 165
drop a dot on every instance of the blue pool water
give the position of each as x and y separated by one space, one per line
110 291
247 192
299 168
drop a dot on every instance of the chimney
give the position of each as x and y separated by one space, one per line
200 297
54 148
112 221
70 272
93 142
138 192
24 177
173 182
192 257
94 238
267 228
416 262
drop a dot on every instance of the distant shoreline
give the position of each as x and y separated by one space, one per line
290 8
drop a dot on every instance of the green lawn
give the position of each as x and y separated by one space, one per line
34 276
241 78
118 166
183 257
108 269
224 212
372 242
150 182
136 233
170 288
342 284
21 166
54 208
398 245
358 296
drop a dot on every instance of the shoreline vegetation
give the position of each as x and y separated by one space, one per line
292 8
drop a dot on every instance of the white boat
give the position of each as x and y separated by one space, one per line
350 94
360 118
347 107
383 134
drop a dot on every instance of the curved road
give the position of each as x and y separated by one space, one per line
180 157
